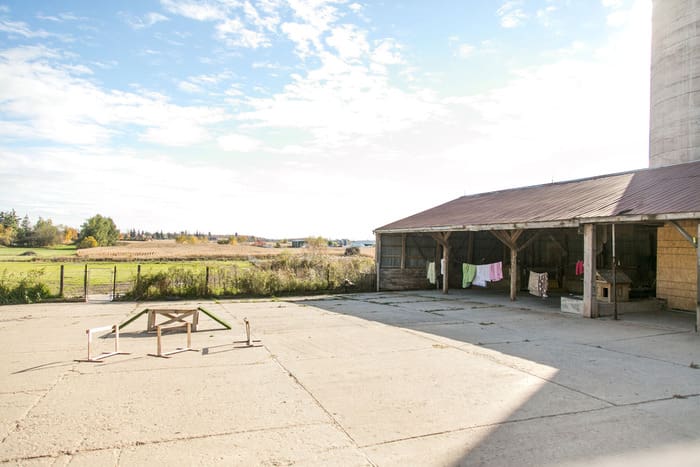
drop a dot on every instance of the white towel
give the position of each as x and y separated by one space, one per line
431 272
483 274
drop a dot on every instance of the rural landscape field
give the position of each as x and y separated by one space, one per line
167 269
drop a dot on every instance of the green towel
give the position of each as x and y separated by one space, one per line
468 273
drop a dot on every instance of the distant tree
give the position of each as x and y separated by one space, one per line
316 243
102 229
44 234
87 242
24 231
7 235
9 219
70 235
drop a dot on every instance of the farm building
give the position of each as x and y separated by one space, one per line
638 228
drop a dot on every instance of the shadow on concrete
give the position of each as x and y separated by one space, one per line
636 379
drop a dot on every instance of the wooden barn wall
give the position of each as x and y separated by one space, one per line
676 272
408 273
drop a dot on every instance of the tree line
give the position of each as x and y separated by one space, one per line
95 231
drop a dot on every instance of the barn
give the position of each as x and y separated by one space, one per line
611 238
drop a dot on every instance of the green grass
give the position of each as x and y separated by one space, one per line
100 272
58 251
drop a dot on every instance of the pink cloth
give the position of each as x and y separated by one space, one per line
579 267
496 271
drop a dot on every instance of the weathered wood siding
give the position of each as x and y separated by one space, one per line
403 279
676 274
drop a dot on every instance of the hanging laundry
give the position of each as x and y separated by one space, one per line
483 275
468 273
538 283
431 272
496 271
442 267
579 267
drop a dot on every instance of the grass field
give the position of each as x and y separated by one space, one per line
101 273
172 270
54 252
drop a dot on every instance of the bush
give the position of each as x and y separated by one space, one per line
87 242
17 288
186 239
352 251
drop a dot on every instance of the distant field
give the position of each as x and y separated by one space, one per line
153 256
18 253
169 250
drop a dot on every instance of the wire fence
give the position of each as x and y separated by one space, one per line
76 281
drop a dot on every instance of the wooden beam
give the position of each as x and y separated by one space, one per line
446 270
403 251
529 240
378 256
684 234
470 247
513 273
590 305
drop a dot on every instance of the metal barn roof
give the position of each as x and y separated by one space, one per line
664 193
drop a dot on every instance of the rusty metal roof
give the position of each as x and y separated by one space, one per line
662 193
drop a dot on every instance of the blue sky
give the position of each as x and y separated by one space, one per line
315 117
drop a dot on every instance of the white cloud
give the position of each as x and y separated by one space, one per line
349 42
511 14
197 10
22 29
49 100
238 143
147 21
612 3
465 50
591 112
235 33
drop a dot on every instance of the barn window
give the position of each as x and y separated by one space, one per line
419 251
391 251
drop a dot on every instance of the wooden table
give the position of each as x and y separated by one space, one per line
172 316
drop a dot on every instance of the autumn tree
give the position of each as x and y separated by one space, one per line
102 229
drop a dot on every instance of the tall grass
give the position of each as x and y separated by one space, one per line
23 288
284 275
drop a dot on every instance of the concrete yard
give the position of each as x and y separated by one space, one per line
411 378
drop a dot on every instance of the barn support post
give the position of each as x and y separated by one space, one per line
377 256
513 273
403 251
443 239
590 305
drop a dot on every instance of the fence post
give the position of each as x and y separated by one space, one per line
138 276
114 283
60 282
85 283
206 282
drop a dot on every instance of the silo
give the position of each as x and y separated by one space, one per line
674 133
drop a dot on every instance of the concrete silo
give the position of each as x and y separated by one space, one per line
674 136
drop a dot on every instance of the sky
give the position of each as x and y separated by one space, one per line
293 118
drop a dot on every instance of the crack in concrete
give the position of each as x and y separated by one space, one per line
120 447
647 357
335 422
527 419
18 422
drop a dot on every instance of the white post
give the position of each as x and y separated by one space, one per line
590 304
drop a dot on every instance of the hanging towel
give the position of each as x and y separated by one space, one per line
483 274
468 273
579 267
431 272
496 271
537 284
